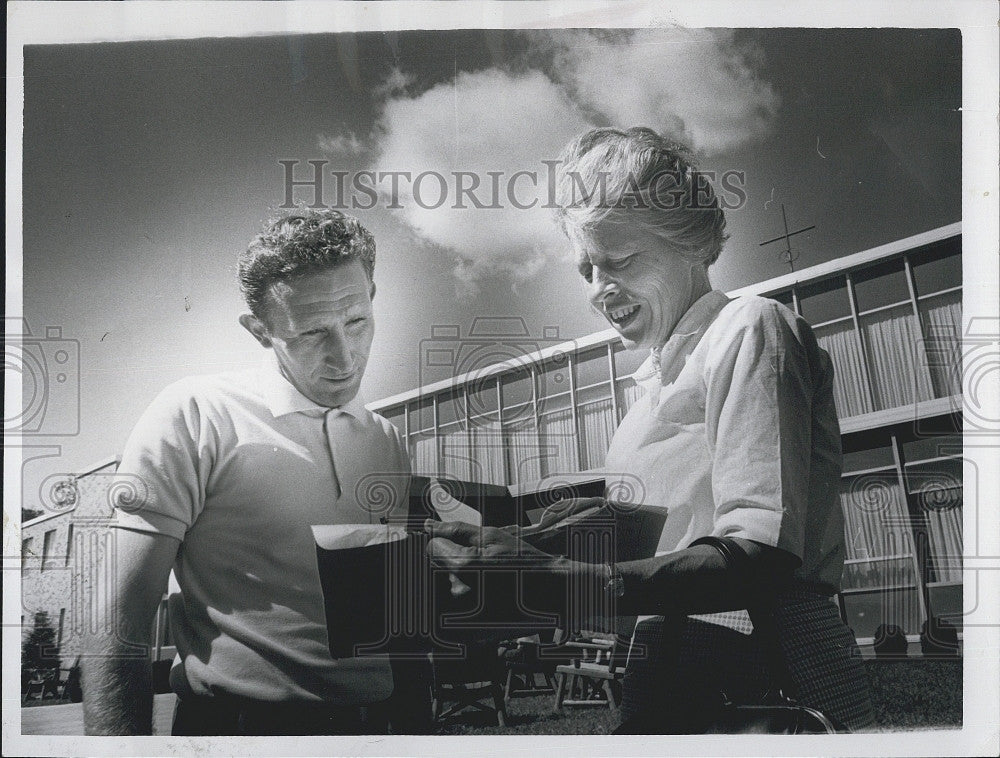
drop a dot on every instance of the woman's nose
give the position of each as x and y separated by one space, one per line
602 285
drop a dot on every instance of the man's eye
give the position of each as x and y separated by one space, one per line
620 263
586 270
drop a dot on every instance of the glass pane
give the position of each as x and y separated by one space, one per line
554 376
824 301
597 424
516 386
925 448
524 454
941 317
897 363
865 454
450 407
423 454
938 268
487 461
876 527
397 417
421 415
785 298
483 397
880 285
592 367
850 385
935 482
865 612
456 455
558 438
627 362
628 393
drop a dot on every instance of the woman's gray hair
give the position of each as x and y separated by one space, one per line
640 178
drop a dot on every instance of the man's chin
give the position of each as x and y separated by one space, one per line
336 398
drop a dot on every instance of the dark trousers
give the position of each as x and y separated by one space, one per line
205 716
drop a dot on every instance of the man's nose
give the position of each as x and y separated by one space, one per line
602 285
337 351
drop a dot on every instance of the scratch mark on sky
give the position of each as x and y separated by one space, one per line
771 200
817 148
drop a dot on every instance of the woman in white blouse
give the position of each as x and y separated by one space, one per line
735 435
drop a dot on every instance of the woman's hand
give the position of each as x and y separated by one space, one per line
460 546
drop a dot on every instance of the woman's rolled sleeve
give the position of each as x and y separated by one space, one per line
758 398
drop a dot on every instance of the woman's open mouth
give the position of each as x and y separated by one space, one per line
623 315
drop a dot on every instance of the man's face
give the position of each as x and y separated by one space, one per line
320 327
635 281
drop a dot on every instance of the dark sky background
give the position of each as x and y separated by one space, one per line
148 166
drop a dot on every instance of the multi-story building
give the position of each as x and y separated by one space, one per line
511 409
891 320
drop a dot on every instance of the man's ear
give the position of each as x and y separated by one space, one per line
256 327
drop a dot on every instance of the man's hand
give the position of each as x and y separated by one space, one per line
460 546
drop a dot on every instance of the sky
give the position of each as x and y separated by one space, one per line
148 166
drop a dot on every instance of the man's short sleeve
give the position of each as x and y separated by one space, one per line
758 424
160 484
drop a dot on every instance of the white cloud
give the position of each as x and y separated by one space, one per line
698 85
488 121
341 143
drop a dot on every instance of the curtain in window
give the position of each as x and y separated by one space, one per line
895 357
558 443
628 393
942 320
597 424
487 464
423 457
944 527
850 386
876 526
524 453
456 454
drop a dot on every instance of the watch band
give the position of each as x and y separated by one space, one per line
615 584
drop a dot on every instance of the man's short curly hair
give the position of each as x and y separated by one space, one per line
301 242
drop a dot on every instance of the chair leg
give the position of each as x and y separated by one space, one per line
508 685
560 691
611 696
500 705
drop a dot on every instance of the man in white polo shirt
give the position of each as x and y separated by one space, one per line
234 468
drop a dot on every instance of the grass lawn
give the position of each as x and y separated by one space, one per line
907 694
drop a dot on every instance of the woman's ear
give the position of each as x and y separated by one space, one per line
256 327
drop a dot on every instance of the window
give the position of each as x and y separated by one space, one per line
48 545
824 301
938 268
27 550
69 544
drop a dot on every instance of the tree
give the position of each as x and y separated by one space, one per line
39 652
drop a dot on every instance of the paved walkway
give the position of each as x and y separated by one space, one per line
68 718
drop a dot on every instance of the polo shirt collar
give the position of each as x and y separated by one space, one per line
282 398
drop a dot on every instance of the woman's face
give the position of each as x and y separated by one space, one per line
637 282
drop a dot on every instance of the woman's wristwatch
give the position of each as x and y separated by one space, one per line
615 584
